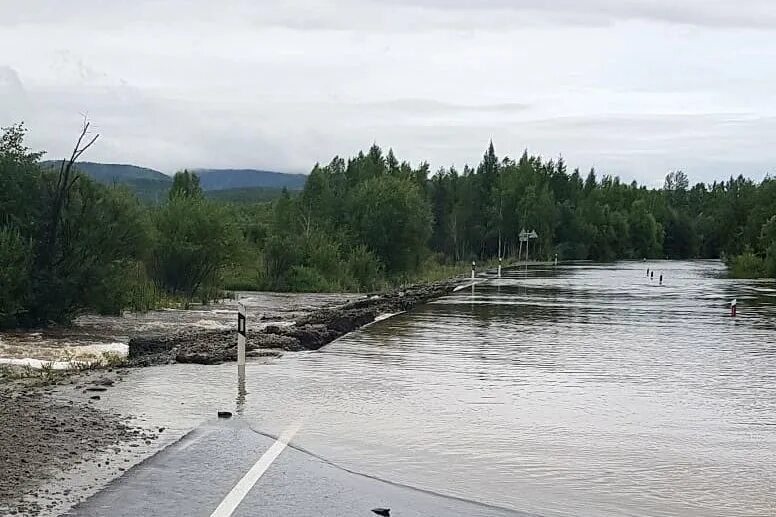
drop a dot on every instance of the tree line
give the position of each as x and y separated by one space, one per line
69 245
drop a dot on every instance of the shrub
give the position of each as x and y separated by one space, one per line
747 265
304 279
364 268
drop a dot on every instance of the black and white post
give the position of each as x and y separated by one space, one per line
241 335
474 266
499 267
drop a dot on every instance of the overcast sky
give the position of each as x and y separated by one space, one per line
633 87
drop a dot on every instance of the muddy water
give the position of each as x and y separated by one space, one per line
92 335
584 390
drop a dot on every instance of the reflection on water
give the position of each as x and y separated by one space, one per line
241 391
582 390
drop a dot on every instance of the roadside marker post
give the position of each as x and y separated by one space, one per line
733 308
499 267
241 334
474 266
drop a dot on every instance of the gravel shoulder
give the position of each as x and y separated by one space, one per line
54 449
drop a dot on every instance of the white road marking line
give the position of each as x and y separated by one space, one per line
241 489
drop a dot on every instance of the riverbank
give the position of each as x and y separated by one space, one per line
308 332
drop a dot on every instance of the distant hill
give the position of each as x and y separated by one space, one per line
233 185
222 179
148 184
245 194
116 173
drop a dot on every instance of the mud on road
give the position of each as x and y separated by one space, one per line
309 332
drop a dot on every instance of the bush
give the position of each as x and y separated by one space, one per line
196 241
281 253
323 254
303 279
747 265
364 269
127 287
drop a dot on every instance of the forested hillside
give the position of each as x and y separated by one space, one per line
148 184
222 179
69 244
239 185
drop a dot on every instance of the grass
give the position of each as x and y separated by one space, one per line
434 271
249 279
43 376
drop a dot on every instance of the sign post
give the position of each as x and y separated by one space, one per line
241 335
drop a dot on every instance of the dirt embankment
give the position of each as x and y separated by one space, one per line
310 332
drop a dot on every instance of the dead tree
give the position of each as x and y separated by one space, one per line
56 204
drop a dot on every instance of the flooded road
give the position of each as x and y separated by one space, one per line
578 390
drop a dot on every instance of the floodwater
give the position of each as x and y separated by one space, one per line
584 390
93 335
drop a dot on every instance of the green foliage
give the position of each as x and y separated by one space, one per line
644 231
16 258
391 217
364 268
69 245
100 231
305 279
20 182
245 195
768 243
770 261
185 184
351 224
195 241
747 265
64 240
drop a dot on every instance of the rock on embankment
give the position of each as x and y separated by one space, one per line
310 332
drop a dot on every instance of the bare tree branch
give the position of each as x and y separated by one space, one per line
61 194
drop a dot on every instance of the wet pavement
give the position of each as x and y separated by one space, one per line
581 390
193 476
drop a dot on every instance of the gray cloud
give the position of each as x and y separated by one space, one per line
14 102
746 13
430 106
401 15
633 88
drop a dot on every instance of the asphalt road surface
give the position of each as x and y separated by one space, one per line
224 468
